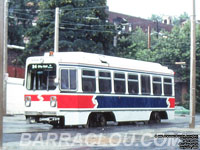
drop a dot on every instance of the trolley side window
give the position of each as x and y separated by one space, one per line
119 83
68 79
104 82
88 81
145 83
157 86
133 84
168 86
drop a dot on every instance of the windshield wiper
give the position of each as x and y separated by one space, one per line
34 82
47 80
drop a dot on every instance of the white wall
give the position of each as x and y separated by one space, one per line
15 96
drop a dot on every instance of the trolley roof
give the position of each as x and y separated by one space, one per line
98 60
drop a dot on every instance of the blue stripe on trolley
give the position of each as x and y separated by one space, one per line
130 102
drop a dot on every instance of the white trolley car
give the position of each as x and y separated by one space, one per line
77 88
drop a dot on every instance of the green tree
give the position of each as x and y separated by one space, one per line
166 49
20 16
156 18
129 45
83 27
182 18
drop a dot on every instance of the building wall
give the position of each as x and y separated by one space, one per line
16 72
181 90
15 96
139 22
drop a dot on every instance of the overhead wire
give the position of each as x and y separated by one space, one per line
22 14
64 28
25 10
64 9
64 22
13 17
82 8
86 25
88 30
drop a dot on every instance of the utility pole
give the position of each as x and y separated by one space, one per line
56 34
5 55
1 69
115 41
193 68
149 37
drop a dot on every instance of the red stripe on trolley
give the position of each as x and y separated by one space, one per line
172 102
67 101
75 101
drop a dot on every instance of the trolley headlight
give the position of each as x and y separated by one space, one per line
27 101
53 101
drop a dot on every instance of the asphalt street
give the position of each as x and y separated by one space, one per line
18 135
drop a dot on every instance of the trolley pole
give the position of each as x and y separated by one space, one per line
193 68
56 34
1 68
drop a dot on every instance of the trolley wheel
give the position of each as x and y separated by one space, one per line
102 120
89 123
55 124
28 120
157 118
37 119
32 120
62 122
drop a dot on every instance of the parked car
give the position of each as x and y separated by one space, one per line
180 110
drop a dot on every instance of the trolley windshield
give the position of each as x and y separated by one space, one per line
41 77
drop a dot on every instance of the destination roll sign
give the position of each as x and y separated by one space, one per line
42 66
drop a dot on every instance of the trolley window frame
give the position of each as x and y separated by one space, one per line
69 79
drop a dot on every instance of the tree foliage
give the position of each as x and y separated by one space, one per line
83 27
181 19
19 20
166 49
155 17
20 16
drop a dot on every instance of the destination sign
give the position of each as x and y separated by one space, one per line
42 66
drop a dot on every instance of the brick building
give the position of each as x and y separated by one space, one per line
15 70
130 22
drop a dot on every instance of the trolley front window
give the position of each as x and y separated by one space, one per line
41 77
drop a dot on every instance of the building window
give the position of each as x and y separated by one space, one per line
68 79
119 83
145 84
157 86
168 86
133 84
88 81
104 82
